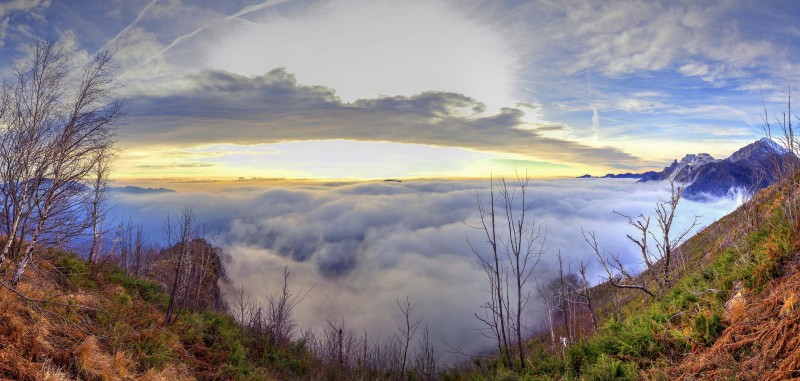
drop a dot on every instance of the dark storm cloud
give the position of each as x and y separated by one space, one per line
227 108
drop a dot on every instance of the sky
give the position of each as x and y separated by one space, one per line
381 89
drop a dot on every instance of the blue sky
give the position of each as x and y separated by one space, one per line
374 89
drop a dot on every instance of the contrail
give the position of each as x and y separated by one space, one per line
134 22
242 12
595 114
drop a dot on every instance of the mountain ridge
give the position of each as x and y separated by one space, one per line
749 169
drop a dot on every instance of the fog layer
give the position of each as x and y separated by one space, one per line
360 246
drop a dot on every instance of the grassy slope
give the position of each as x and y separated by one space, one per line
108 326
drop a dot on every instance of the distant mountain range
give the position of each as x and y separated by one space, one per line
139 190
751 168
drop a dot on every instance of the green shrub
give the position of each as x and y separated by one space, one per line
75 271
607 368
145 289
579 356
708 328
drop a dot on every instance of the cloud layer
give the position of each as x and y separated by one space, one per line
362 245
225 107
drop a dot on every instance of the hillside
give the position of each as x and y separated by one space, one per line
71 321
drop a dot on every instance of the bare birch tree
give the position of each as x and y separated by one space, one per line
54 129
97 199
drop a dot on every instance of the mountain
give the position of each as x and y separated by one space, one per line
139 190
681 171
751 168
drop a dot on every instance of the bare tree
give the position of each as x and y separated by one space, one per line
97 200
785 167
408 331
563 294
517 245
496 275
656 278
181 234
548 302
585 292
63 127
337 345
139 254
281 310
426 362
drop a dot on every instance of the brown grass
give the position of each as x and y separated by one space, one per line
61 339
735 308
169 373
763 344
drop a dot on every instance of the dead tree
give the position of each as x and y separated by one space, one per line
585 293
564 290
523 252
495 319
407 332
139 253
181 234
656 278
426 362
281 310
549 306
785 167
516 245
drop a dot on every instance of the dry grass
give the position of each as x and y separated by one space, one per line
60 339
169 373
52 373
735 308
93 361
763 344
789 304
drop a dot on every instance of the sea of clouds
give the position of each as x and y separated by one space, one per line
361 246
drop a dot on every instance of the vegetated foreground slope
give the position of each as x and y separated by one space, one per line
732 315
762 338
67 320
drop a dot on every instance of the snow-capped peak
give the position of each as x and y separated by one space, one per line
681 170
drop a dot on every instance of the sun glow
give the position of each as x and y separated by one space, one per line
327 159
372 48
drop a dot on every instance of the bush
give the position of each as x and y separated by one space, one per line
145 289
579 356
608 368
708 327
75 271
